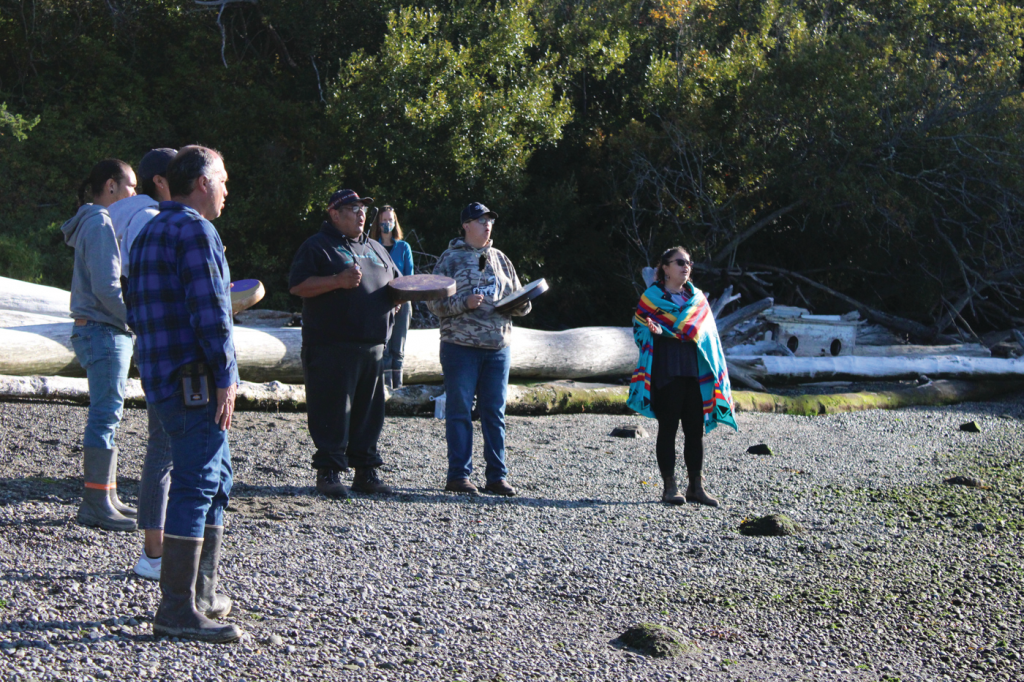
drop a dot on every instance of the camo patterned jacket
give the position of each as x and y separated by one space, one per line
484 271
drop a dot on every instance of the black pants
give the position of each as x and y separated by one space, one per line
344 403
679 401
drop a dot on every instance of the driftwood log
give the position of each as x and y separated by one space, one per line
34 344
563 397
777 369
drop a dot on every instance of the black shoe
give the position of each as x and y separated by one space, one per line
328 482
461 485
367 481
500 488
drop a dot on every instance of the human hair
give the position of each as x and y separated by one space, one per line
148 187
107 169
659 274
375 226
188 165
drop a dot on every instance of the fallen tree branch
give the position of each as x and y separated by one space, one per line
892 321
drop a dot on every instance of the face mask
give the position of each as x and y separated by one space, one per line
387 226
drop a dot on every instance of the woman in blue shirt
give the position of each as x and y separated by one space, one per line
388 232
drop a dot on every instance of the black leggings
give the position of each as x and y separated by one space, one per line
679 401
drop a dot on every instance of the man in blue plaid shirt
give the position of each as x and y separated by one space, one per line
179 305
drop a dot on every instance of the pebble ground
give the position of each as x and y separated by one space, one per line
897 577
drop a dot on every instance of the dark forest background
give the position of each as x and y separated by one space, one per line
804 149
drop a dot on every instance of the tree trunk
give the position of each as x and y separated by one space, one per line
799 370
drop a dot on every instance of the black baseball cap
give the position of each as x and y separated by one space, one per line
155 162
344 197
475 210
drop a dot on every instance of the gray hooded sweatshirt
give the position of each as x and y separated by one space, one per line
96 284
129 217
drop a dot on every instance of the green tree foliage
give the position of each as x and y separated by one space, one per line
873 146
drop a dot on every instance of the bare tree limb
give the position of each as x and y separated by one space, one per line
750 231
907 326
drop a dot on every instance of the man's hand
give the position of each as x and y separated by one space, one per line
350 278
474 301
225 406
653 326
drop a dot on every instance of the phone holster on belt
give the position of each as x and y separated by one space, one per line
195 384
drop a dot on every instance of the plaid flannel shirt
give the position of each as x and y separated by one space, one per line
179 300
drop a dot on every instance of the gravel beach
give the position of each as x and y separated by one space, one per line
897 576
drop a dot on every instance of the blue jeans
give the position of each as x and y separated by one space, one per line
484 373
394 351
201 475
156 475
105 352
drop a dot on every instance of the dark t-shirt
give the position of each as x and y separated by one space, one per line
361 315
673 358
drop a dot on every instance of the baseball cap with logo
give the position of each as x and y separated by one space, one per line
344 197
475 210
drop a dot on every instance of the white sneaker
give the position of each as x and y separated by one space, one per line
148 568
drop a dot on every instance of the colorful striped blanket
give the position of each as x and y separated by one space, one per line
692 322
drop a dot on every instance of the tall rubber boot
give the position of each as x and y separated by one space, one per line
117 504
177 615
207 600
96 509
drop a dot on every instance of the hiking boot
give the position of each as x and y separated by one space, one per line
695 493
328 482
671 494
461 485
367 481
500 488
177 615
96 509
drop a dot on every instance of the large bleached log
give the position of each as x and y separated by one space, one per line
563 397
797 369
43 347
975 350
33 298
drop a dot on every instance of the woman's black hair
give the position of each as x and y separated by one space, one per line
107 169
659 274
148 187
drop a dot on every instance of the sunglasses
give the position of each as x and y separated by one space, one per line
681 262
354 208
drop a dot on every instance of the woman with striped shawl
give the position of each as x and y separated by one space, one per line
681 375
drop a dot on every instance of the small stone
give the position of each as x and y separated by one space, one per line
760 449
629 431
968 481
980 527
290 649
657 640
970 427
773 525
276 640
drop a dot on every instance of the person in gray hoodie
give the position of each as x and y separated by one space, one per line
130 216
101 338
475 353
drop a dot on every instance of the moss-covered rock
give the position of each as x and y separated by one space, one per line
657 640
773 525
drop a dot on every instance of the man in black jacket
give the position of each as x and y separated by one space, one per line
347 315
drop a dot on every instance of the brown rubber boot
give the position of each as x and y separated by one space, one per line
367 481
177 615
96 509
670 494
461 485
124 509
695 493
207 600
